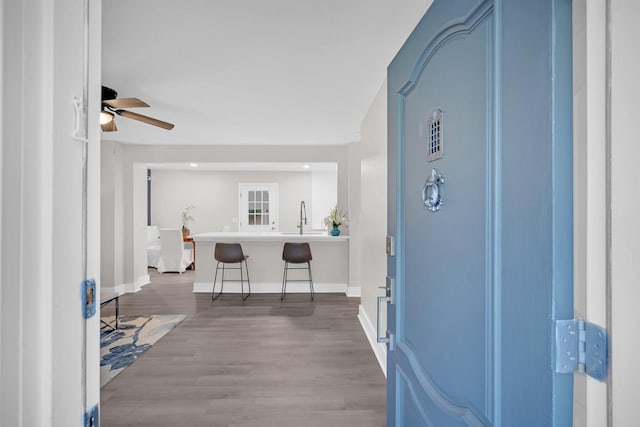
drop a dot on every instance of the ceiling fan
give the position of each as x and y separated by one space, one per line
112 105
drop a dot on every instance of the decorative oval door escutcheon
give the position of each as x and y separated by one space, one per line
431 196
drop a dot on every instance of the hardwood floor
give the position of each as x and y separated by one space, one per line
262 363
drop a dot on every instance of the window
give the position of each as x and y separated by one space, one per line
258 207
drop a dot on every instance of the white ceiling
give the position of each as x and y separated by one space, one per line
271 72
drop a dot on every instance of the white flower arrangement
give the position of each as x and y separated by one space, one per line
336 218
186 217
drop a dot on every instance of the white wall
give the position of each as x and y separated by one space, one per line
355 231
215 196
324 190
373 216
135 224
112 229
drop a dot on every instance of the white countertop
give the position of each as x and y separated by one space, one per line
272 236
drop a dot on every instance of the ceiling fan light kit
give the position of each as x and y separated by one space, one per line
105 117
112 105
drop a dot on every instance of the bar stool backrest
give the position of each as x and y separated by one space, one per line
296 253
228 253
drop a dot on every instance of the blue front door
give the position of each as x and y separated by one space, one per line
480 204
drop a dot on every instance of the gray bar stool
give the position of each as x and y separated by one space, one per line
230 253
296 253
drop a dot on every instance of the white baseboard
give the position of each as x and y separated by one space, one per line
353 291
272 288
379 349
142 280
128 288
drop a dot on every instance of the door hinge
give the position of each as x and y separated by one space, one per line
581 346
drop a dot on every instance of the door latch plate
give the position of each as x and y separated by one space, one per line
88 298
92 417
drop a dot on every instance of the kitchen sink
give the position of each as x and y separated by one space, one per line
306 233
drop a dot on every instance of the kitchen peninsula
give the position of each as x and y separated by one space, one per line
330 264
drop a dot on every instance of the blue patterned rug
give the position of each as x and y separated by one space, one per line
135 335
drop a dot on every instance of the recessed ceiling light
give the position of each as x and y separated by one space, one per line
306 166
193 165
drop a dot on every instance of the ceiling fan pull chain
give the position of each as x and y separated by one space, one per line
77 106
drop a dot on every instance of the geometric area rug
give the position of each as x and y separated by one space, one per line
135 335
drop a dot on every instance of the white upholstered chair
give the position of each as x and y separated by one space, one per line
153 245
173 255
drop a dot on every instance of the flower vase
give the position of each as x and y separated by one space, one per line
185 232
335 231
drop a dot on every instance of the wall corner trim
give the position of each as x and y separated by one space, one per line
379 349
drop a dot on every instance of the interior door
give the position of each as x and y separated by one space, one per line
480 204
258 207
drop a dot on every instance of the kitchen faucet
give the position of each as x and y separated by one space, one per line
302 207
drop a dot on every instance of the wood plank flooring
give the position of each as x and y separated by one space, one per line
262 363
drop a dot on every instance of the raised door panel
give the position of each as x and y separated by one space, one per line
456 334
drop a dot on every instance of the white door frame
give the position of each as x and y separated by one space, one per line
606 201
623 269
48 379
590 231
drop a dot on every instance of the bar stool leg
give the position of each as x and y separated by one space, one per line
215 279
310 280
284 282
246 267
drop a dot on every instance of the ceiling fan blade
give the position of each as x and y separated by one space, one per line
109 127
125 103
145 119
